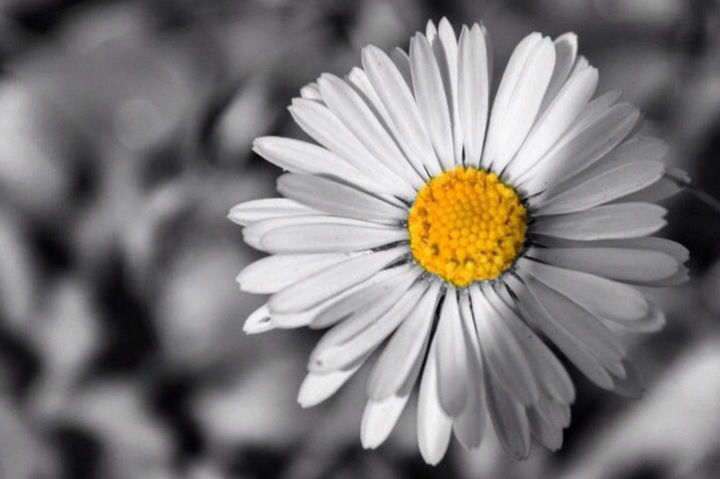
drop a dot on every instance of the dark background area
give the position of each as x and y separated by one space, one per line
125 131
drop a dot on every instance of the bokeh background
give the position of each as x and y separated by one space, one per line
125 131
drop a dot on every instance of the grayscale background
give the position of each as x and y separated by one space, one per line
125 131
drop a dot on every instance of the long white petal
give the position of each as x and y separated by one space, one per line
544 432
550 373
325 313
316 388
585 328
434 427
333 280
473 92
395 288
329 237
566 47
470 426
259 321
633 265
579 149
609 186
364 124
273 273
334 356
302 157
406 345
431 100
623 220
311 92
508 132
258 210
555 121
600 296
395 95
510 77
662 189
453 368
662 245
636 149
338 199
445 48
509 419
253 233
575 351
379 419
320 123
503 356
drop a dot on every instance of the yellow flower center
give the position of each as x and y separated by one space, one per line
465 225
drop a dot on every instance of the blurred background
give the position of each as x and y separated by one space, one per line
125 131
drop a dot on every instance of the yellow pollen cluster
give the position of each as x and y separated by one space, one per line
465 225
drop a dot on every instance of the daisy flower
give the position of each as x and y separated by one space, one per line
448 237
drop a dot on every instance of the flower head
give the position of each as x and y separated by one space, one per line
445 235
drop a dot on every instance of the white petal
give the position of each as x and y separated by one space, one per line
510 125
434 427
554 412
338 199
503 96
633 265
333 280
509 419
544 432
402 62
329 237
555 121
600 296
302 157
470 426
253 233
259 321
502 353
407 344
550 373
311 92
395 95
445 47
431 98
379 419
273 273
473 92
606 187
452 356
321 315
636 149
566 47
395 287
587 330
431 31
258 210
658 191
336 356
624 220
652 322
662 245
363 123
316 388
580 148
630 386
575 351
321 124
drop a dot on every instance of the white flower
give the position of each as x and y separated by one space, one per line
463 232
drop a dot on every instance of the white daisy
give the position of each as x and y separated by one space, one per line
463 233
